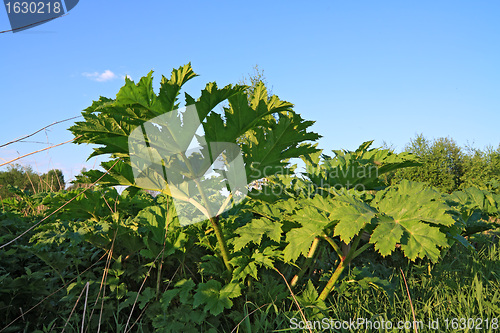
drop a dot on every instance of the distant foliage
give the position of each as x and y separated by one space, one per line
450 167
25 179
482 169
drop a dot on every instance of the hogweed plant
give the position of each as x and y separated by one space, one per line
230 219
204 159
342 202
255 134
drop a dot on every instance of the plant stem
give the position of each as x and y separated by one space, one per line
222 242
334 245
344 262
361 250
309 260
213 220
333 279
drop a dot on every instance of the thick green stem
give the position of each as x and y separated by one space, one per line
361 250
334 246
354 246
333 279
308 262
222 243
213 220
344 262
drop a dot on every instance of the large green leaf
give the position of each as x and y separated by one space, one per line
313 222
253 232
472 199
386 235
214 297
353 215
422 240
415 216
476 207
412 201
267 149
247 264
362 169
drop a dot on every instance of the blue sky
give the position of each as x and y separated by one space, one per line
363 70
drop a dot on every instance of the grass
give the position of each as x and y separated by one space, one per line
466 284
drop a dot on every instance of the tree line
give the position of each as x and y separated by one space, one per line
449 167
444 164
26 179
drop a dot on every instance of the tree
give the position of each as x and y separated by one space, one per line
28 180
53 180
482 168
449 167
442 163
16 175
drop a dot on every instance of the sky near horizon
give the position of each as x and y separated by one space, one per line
364 70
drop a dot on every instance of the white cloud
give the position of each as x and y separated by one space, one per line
107 75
